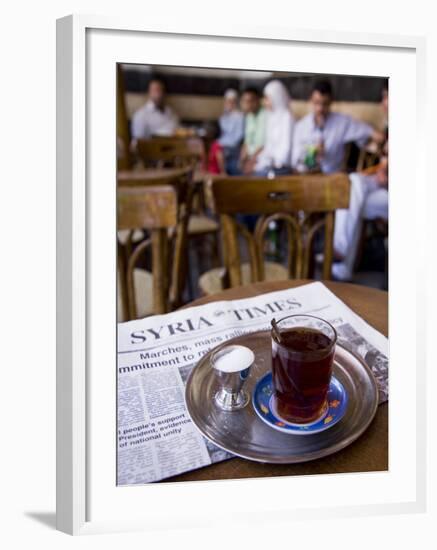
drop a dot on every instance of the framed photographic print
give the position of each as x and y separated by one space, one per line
234 308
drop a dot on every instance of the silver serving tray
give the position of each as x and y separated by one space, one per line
243 434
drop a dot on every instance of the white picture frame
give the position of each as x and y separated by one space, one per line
86 504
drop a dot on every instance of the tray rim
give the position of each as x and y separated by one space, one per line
300 458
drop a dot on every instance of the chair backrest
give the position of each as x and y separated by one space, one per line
124 160
304 203
179 178
169 151
156 210
367 160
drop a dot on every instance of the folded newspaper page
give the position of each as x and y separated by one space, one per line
156 438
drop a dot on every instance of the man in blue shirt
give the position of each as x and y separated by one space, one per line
231 131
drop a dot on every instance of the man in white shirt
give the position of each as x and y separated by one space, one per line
321 136
319 144
368 200
154 118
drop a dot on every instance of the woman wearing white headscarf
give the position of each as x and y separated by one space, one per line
275 156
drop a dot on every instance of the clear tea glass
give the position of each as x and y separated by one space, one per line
303 349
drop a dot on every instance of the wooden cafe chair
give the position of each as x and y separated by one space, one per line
184 152
304 203
181 180
154 209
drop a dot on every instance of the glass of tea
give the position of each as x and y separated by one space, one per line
303 349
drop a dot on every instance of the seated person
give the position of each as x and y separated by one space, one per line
374 151
368 200
154 118
275 156
231 131
383 145
216 158
384 106
254 130
320 137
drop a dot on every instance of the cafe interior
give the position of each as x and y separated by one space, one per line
230 178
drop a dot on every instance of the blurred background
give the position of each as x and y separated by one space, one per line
177 170
197 94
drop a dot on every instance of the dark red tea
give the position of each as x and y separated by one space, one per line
301 368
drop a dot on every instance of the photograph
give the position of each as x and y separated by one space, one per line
252 273
228 305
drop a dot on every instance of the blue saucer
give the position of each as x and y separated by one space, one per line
264 406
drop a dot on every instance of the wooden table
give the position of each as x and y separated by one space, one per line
369 452
137 177
156 176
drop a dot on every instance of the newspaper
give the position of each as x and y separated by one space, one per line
156 438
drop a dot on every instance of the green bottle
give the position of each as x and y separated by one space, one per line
310 159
